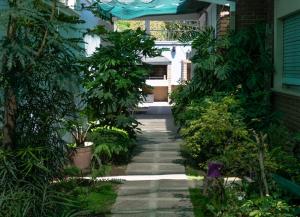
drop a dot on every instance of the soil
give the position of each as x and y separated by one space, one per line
118 170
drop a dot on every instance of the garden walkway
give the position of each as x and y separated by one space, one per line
158 186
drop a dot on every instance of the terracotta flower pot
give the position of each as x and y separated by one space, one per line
81 158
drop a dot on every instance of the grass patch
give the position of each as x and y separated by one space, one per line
95 197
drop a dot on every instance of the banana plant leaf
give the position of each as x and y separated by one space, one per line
290 186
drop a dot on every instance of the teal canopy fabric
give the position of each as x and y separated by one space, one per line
131 9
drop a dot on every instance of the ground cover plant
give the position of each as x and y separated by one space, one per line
95 197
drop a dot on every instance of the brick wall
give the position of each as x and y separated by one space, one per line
223 20
250 12
289 107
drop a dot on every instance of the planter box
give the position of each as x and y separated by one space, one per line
81 158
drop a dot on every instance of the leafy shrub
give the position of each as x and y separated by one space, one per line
116 77
207 76
238 203
240 159
257 207
283 151
239 60
267 207
110 145
219 125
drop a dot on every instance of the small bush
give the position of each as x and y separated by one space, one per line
110 145
265 207
216 128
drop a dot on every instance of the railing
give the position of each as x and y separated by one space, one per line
173 30
167 35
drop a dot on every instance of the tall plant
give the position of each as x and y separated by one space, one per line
241 60
116 76
38 70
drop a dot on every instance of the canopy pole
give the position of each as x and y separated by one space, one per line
147 26
231 4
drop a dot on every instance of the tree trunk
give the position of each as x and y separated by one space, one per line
261 150
10 110
10 101
262 171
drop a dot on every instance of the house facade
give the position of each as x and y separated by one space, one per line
286 80
168 70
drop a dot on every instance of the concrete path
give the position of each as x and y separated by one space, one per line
163 191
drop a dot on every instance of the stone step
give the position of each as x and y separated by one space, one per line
159 194
162 213
153 204
154 169
139 159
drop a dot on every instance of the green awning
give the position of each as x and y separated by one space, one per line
131 9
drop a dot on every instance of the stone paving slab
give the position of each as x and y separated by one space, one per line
139 159
157 153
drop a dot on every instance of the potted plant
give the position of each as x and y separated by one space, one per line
81 155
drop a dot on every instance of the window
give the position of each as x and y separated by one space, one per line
291 50
159 72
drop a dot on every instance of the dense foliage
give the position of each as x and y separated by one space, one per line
236 205
218 125
115 78
225 115
238 62
38 72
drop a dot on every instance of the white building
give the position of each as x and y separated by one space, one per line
168 70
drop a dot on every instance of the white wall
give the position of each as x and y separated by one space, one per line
91 42
180 55
157 83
